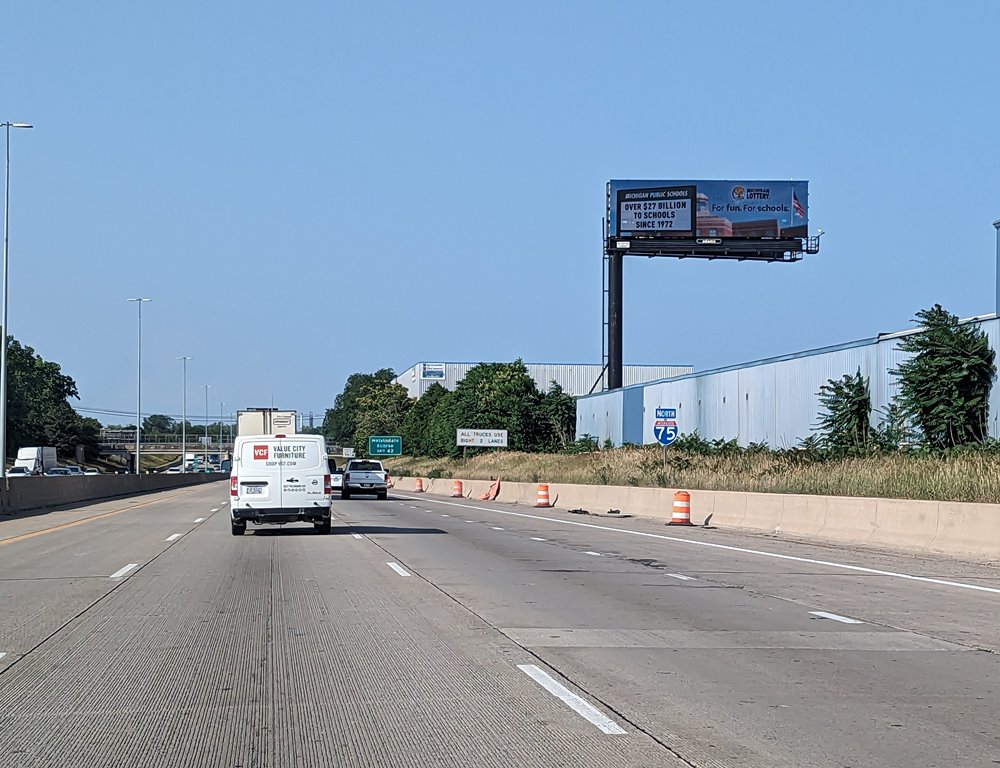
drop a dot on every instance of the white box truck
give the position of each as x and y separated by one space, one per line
265 421
36 461
278 479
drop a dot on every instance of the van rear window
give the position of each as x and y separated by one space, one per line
365 466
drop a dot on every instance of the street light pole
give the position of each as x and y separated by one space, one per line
207 387
221 415
138 387
3 347
184 416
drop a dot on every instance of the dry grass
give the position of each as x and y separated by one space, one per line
972 477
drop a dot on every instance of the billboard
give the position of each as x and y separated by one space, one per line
481 438
742 210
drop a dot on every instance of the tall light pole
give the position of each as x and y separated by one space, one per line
221 416
184 416
207 387
3 347
138 386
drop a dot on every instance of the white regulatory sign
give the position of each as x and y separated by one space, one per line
482 438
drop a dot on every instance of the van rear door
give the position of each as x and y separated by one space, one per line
303 467
259 482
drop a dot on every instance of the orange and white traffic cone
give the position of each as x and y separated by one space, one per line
682 509
542 499
456 489
420 486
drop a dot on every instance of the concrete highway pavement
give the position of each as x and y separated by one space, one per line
437 632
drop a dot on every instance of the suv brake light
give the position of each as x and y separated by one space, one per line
233 486
347 476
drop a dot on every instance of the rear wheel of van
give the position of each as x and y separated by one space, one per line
323 528
239 527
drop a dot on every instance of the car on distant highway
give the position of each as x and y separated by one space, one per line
92 471
74 470
59 472
173 471
18 472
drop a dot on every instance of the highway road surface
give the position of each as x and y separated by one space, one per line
427 631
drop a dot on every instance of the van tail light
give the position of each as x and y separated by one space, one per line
327 485
234 486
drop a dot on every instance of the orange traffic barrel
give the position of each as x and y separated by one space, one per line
682 509
542 499
420 486
456 489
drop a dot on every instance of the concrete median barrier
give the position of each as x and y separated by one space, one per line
959 529
23 494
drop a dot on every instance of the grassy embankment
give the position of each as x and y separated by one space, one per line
966 477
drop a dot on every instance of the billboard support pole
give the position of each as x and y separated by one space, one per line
616 261
996 224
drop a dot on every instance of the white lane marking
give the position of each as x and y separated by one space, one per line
174 536
442 514
470 521
496 528
743 550
199 520
357 535
578 704
216 509
412 507
122 571
2 654
835 617
595 554
681 576
537 538
398 569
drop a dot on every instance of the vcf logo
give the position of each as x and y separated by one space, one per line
260 452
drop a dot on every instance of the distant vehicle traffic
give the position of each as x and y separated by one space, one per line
74 470
16 471
278 479
337 478
59 472
92 471
265 421
36 460
365 476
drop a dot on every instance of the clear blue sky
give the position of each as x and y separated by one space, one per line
315 188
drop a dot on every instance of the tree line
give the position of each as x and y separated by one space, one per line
491 396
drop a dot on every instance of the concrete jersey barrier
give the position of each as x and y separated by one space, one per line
23 494
961 529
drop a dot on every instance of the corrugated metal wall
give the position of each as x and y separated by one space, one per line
771 401
576 379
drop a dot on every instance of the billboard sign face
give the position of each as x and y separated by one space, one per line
481 438
743 210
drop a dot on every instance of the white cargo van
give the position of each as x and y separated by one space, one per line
279 479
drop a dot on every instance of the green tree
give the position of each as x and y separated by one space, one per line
341 422
845 420
560 409
381 410
416 429
494 396
158 424
944 385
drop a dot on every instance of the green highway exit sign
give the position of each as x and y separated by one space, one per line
385 445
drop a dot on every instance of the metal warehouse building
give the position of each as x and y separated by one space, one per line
576 379
771 401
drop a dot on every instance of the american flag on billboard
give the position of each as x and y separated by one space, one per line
797 206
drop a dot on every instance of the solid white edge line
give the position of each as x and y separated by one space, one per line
744 550
200 520
122 571
174 536
835 617
681 576
357 535
538 538
591 552
578 704
398 569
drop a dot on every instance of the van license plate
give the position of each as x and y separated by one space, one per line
252 489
